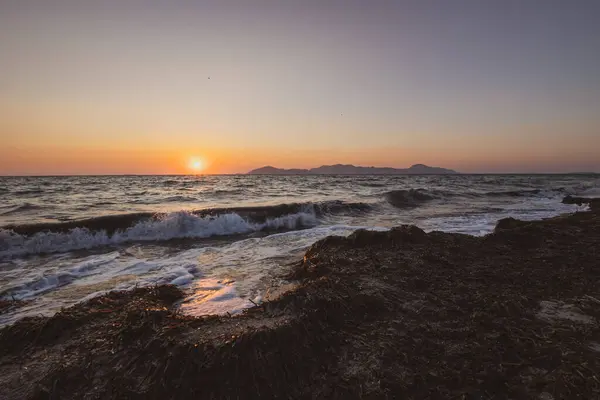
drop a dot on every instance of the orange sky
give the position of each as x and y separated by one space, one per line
114 88
50 160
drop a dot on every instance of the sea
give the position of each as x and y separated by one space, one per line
228 240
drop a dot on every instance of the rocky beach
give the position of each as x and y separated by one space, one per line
395 314
299 200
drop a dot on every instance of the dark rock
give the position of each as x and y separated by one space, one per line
594 203
509 223
408 234
575 200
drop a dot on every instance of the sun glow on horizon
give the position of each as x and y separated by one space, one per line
196 164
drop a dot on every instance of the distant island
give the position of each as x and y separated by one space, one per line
348 169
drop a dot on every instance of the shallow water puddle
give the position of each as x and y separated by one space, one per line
213 296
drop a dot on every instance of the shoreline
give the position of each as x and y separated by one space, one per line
394 314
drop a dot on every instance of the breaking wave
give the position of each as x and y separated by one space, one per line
256 214
177 225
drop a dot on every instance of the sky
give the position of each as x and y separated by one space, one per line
143 87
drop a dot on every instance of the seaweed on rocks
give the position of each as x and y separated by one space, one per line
396 314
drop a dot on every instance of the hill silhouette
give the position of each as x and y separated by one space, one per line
348 169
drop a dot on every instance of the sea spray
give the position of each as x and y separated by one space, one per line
175 225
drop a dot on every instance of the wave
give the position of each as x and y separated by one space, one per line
220 192
341 207
64 189
114 229
552 192
373 184
187 184
178 199
103 203
49 281
514 193
22 208
590 191
408 198
319 209
29 191
176 225
162 200
107 223
257 214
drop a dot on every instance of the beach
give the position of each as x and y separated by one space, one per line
393 314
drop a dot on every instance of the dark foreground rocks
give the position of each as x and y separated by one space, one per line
593 203
399 314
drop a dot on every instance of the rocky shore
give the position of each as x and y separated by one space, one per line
397 314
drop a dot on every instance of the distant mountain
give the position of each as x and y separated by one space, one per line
268 170
347 169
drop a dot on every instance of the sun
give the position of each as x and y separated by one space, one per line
196 164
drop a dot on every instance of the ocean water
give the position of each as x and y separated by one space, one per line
228 239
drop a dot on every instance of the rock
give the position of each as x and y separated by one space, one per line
509 223
593 203
408 234
575 200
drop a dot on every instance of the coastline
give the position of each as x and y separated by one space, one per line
396 314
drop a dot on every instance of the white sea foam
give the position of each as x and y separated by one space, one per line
482 224
219 279
32 282
174 225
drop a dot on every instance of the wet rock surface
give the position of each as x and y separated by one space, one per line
397 314
593 203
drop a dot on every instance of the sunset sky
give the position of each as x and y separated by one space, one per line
141 87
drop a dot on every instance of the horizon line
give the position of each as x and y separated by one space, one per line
307 174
